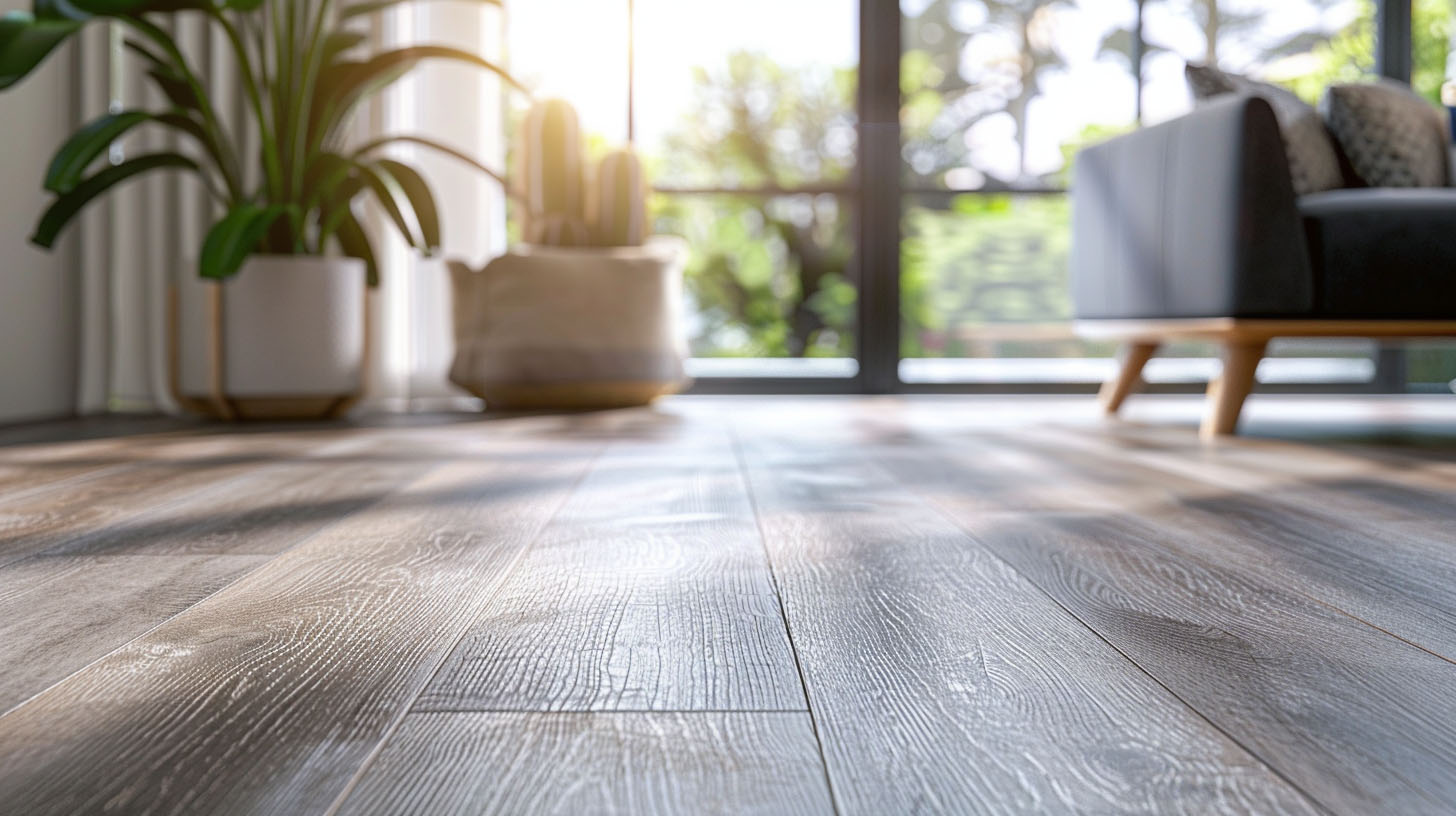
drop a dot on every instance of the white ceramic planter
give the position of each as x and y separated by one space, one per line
550 327
285 337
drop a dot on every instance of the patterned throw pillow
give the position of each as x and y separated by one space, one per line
1392 137
1314 161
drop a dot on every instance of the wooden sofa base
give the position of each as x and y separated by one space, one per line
1243 342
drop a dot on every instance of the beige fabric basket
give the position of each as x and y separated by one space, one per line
576 328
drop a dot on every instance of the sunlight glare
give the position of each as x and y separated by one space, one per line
575 50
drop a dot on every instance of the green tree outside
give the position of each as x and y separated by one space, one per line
773 277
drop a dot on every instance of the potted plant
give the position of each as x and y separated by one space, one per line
587 313
273 321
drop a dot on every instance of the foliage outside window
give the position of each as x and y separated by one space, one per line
769 275
772 275
985 275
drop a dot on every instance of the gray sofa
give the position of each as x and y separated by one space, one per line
1192 229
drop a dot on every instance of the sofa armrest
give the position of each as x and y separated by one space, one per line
1191 218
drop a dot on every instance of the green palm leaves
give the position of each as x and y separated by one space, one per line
25 41
303 81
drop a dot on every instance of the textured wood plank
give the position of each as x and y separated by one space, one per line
33 521
633 763
264 510
267 696
100 427
649 591
943 682
30 469
937 673
1356 718
1374 547
59 614
35 455
90 594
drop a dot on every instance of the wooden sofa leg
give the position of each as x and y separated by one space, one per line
1129 376
1227 393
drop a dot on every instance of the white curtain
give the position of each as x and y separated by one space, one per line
461 107
137 240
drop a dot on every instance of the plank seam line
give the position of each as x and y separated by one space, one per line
936 507
783 611
1175 695
399 488
1295 786
407 707
946 515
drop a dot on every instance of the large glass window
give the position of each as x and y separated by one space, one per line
1304 45
998 96
767 279
994 93
1431 366
748 126
575 50
746 114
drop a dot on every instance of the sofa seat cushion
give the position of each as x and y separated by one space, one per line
1383 253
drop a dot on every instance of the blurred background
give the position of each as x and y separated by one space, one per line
747 115
931 257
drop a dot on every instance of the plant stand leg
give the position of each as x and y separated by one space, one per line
1226 394
1129 376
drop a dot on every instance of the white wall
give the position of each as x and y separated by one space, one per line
38 299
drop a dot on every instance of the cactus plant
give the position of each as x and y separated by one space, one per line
550 180
618 206
550 186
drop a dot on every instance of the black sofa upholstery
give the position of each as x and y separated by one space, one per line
1197 218
1382 253
1191 230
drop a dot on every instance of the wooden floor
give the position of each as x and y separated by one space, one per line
853 606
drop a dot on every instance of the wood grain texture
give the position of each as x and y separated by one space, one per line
82 598
32 521
59 614
28 470
33 456
943 682
634 763
649 591
1348 533
267 696
31 469
261 511
994 612
1356 718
